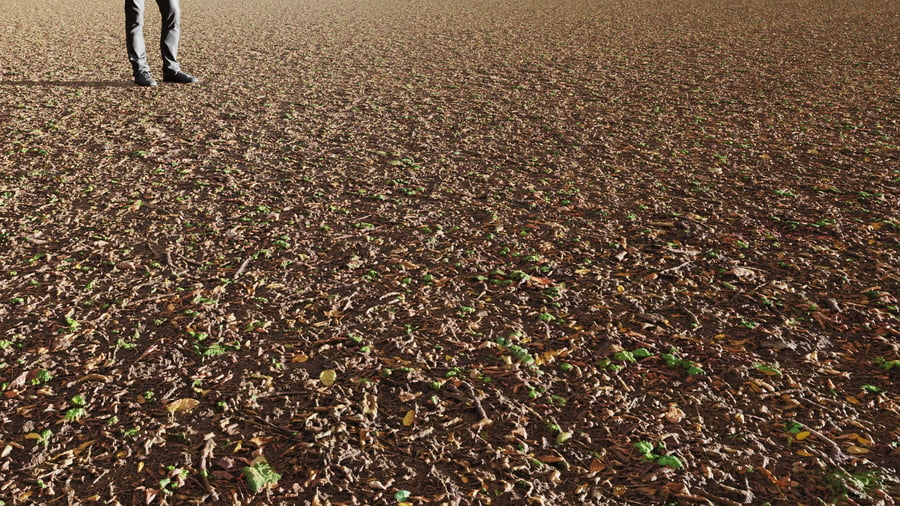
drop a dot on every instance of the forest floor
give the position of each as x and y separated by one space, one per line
452 252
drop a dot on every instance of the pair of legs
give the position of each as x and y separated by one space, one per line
168 40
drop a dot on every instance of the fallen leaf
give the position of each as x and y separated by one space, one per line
94 377
410 418
551 459
674 414
182 405
328 377
742 273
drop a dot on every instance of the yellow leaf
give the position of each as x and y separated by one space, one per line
33 435
550 356
410 418
83 446
620 288
328 377
260 441
182 405
802 435
857 450
300 357
804 453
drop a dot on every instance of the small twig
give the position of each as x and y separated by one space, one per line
696 320
242 268
348 303
150 349
676 268
837 452
148 299
478 407
694 498
779 393
169 260
205 455
722 500
171 264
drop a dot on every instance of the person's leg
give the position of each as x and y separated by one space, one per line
168 42
170 33
134 36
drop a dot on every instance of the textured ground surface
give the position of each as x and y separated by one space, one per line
465 252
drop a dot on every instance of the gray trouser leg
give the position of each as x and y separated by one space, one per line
168 39
169 34
134 35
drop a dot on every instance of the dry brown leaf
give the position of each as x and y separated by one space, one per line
674 414
597 466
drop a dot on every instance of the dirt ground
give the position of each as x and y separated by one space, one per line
452 252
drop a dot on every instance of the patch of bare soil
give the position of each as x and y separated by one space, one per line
452 252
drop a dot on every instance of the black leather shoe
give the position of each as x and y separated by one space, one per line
143 78
179 77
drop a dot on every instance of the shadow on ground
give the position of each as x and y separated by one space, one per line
69 84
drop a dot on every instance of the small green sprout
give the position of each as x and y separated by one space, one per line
770 370
74 414
260 475
649 452
887 365
873 389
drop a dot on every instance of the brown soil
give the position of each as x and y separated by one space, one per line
452 251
